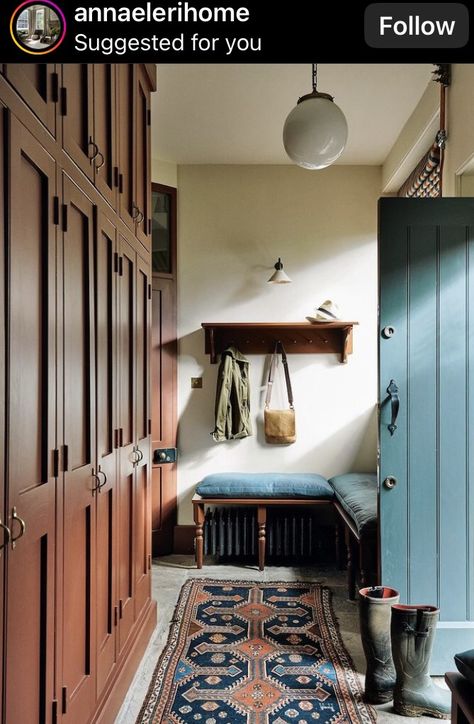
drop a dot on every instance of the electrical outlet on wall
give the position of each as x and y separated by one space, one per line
196 383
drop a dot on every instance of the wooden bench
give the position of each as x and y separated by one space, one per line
261 504
355 502
462 707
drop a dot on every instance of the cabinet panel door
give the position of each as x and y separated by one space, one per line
106 527
142 536
34 82
105 135
126 105
142 158
3 246
31 427
77 119
78 672
127 396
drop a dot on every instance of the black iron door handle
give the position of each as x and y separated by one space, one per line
392 390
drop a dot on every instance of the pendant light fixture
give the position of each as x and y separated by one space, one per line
279 276
315 131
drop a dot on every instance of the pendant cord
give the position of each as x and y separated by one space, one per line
315 77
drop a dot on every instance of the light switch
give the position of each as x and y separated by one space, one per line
196 383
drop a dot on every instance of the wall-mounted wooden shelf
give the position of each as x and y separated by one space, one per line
297 337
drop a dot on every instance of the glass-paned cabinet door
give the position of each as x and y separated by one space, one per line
163 227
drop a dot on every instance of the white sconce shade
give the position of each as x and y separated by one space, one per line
279 276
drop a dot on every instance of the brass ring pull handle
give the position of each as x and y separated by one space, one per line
140 217
101 485
96 149
21 523
136 458
99 166
141 455
135 212
98 486
7 537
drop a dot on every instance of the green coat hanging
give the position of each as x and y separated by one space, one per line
232 397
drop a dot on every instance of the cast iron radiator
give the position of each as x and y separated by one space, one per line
296 534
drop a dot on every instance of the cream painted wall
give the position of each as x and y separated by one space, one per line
164 172
420 130
234 221
460 144
414 141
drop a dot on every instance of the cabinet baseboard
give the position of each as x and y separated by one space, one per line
113 696
183 539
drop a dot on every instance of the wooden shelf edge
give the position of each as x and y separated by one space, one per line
297 337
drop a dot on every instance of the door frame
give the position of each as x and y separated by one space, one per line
164 538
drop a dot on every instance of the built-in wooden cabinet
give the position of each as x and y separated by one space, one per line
75 357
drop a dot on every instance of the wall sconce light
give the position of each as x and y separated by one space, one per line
279 276
315 131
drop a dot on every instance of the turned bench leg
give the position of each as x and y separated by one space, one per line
199 515
351 571
262 522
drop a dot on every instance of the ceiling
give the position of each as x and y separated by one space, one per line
225 114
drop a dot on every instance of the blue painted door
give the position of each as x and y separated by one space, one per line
426 436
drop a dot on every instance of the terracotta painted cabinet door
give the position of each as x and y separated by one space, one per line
79 453
126 142
426 343
31 418
127 436
142 211
142 537
106 481
37 83
89 115
4 539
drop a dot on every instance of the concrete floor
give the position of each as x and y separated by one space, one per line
171 572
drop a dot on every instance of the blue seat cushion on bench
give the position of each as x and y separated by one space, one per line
265 485
357 494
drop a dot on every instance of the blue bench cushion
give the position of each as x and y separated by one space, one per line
357 494
465 664
264 485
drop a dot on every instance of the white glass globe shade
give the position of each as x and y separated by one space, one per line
315 133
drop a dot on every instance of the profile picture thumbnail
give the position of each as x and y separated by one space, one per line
38 28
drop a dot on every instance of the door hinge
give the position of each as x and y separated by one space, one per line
149 226
64 699
149 561
56 463
115 615
63 100
149 425
148 117
120 266
54 87
56 210
121 437
120 608
116 262
54 711
149 291
116 176
65 458
64 208
116 438
120 183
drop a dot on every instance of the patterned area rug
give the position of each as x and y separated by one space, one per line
254 653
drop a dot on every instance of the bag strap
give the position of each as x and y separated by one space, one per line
271 376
